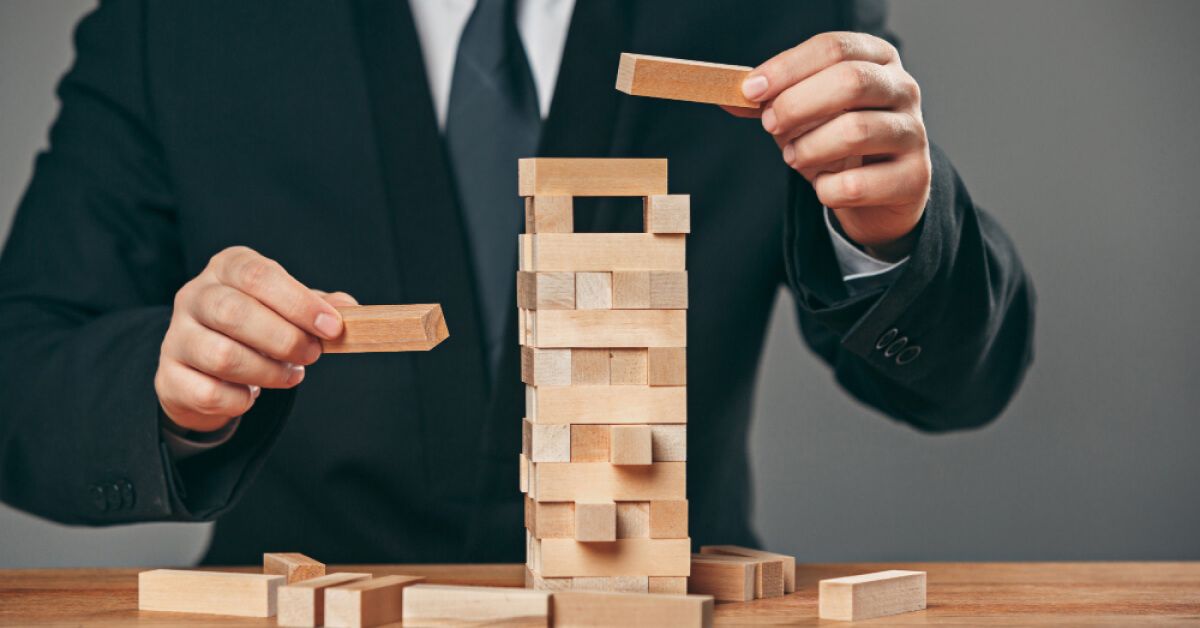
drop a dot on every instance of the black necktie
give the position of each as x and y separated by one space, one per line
493 120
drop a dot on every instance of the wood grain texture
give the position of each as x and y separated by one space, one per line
590 367
666 366
630 445
649 557
631 290
627 367
545 367
208 592
668 519
726 578
303 603
617 329
590 443
545 290
681 79
595 609
568 481
871 595
593 291
668 443
667 213
622 584
292 565
789 562
633 520
595 521
367 602
441 604
667 584
574 252
549 214
607 404
541 176
668 290
376 328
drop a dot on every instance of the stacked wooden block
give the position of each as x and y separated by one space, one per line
603 329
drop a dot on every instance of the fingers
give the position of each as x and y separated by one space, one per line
791 66
228 360
198 401
858 133
336 299
265 280
891 183
242 318
844 87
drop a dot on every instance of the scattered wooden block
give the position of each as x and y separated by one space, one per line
573 481
726 578
633 520
668 519
375 328
573 609
648 557
546 442
549 214
789 562
607 404
209 592
666 366
621 584
303 603
630 444
367 602
550 520
667 213
546 367
595 521
590 443
613 329
534 581
295 567
545 290
667 584
668 290
557 252
768 573
855 598
631 290
439 605
668 443
680 79
590 367
593 291
627 367
542 176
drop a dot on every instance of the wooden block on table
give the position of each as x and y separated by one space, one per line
546 442
633 520
573 609
545 290
854 598
630 445
667 584
589 367
607 404
768 572
209 592
374 328
631 290
668 443
595 521
549 214
666 366
646 557
546 367
567 481
789 562
622 584
668 289
542 176
590 443
439 605
293 566
593 291
667 213
726 578
535 581
627 367
367 602
681 79
594 252
303 603
669 519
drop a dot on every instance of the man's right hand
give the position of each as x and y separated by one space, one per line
243 324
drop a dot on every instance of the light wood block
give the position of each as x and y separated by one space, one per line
667 213
631 290
550 520
546 367
627 367
549 214
768 573
303 603
633 520
562 252
647 557
607 404
668 443
541 176
545 290
669 519
293 566
590 443
523 472
789 562
726 578
855 598
559 481
608 328
621 584
668 290
546 442
208 592
589 367
367 602
666 366
534 581
668 584
630 445
522 328
440 605
376 328
579 609
680 79
593 291
595 521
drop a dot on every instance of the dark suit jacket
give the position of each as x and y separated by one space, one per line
305 129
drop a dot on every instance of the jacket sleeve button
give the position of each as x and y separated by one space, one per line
99 501
112 494
895 347
908 355
886 338
128 496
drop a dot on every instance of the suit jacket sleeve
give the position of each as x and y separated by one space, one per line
947 344
87 281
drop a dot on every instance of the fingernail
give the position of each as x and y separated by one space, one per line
328 325
255 391
296 375
754 86
789 153
768 120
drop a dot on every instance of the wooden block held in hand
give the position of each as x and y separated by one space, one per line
595 521
789 562
667 213
374 328
549 214
589 367
567 481
631 290
547 176
668 290
627 367
575 609
669 519
546 367
209 592
633 520
668 443
668 584
545 290
590 443
646 557
294 566
855 598
726 578
680 79
593 291
303 603
630 445
367 602
594 252
439 605
666 366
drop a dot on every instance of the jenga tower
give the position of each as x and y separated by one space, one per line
603 329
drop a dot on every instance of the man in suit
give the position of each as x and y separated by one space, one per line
215 164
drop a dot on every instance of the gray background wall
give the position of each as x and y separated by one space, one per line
1073 121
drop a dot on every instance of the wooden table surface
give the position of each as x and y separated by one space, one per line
959 593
